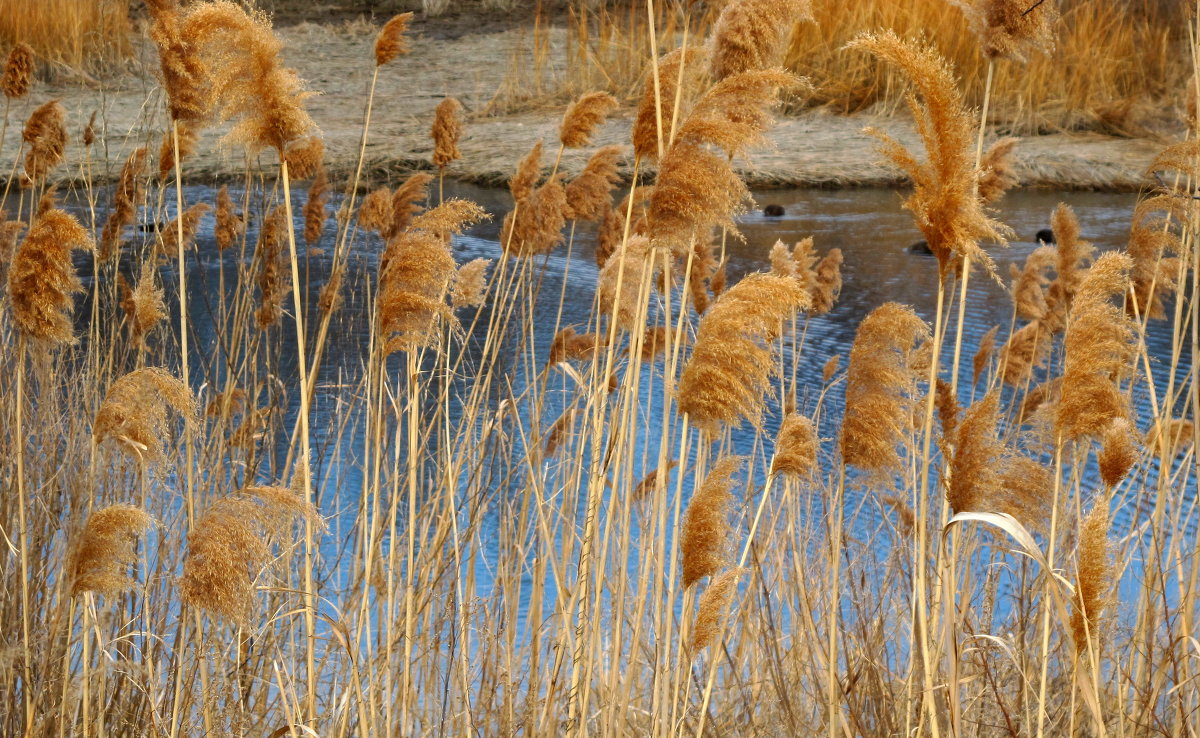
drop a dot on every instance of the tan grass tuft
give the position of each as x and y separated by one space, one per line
881 389
1012 29
18 72
582 118
145 307
712 608
796 447
646 122
983 355
753 34
589 194
391 41
274 277
45 133
229 225
42 279
1094 579
1118 452
704 537
314 208
446 132
729 372
106 549
134 413
470 284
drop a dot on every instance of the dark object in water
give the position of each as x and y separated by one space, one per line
773 211
1046 236
920 247
151 227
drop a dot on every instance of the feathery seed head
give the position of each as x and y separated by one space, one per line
229 226
101 557
134 412
796 447
710 610
391 41
753 34
446 132
588 195
704 538
18 72
583 117
1118 453
42 279
46 134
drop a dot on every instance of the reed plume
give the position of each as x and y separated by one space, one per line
250 85
1073 253
611 230
470 284
274 278
46 134
983 354
750 35
796 447
827 286
704 270
652 108
1030 282
1118 453
1154 276
714 603
1094 580
945 201
1025 350
144 307
406 202
582 118
191 223
415 277
570 345
977 460
830 368
649 482
184 72
996 175
89 131
18 72
1012 29
391 41
1098 346
535 225
134 413
229 226
729 372
305 157
314 208
704 536
621 279
945 403
10 235
527 175
189 136
589 195
42 279
561 431
446 132
1177 434
229 548
330 297
881 389
376 212
1027 490
106 549
129 192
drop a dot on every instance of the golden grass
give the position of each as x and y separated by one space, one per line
80 34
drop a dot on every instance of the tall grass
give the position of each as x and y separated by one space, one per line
79 34
497 524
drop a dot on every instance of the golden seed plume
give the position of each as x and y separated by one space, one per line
184 72
645 133
561 431
703 272
1027 490
945 202
18 72
375 213
191 222
946 404
228 549
704 537
753 34
528 174
732 362
128 194
1094 580
1012 29
391 41
621 279
1044 396
305 157
330 298
582 118
796 447
89 131
274 277
134 413
881 389
1073 254
612 224
983 354
229 226
10 235
1029 283
827 286
188 137
1155 275
977 460
831 367
996 175
1177 434
1025 350
1098 347
710 610
46 134
42 279
649 482
1118 453
470 284
406 202
416 274
654 343
145 307
106 549
314 208
588 195
568 345
535 225
446 132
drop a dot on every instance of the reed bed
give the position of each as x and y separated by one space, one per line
76 34
499 523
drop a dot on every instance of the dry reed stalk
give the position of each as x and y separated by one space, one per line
129 192
229 547
1094 582
314 208
752 35
416 275
229 226
1012 29
796 447
1098 346
732 362
704 536
134 413
712 608
583 117
881 389
589 194
945 201
144 306
45 133
42 279
392 41
18 72
101 557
